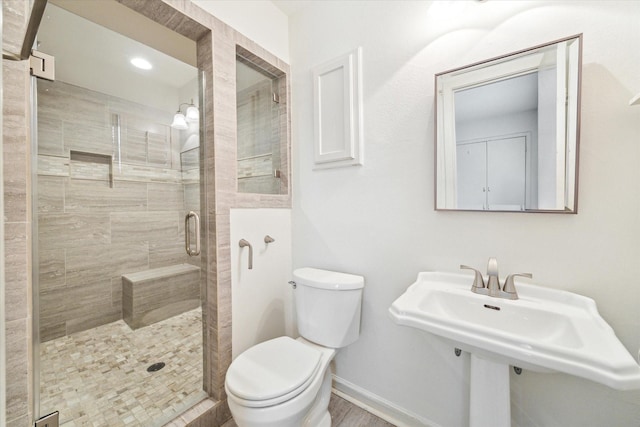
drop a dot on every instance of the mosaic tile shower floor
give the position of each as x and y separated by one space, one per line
99 377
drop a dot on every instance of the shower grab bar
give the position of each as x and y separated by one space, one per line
187 234
243 243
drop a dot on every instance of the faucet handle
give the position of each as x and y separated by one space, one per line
510 287
478 281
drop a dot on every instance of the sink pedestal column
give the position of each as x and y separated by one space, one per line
489 397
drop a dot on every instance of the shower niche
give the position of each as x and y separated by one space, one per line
261 97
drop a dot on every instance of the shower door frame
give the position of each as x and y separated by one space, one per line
35 300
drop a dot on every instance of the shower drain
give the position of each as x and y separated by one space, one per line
155 367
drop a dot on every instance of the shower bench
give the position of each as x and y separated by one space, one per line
157 294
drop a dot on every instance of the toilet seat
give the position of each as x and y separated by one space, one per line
272 372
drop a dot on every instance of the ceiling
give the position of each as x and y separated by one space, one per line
512 95
100 48
111 36
119 36
290 7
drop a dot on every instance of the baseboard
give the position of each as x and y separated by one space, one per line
378 406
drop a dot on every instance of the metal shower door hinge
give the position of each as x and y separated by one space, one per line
51 420
275 98
42 65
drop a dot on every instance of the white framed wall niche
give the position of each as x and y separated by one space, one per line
337 101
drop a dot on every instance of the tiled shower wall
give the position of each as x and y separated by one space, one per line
97 221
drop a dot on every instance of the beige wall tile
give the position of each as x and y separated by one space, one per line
18 364
51 269
17 283
15 186
53 166
129 227
49 133
94 319
87 137
15 146
99 196
19 422
13 26
88 265
128 258
51 194
60 305
162 253
80 230
147 226
52 331
166 197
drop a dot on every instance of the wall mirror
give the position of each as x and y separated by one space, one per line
507 131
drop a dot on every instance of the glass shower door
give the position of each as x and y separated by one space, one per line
120 321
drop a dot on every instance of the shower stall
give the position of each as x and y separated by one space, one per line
116 196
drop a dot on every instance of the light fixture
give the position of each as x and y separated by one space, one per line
192 115
180 120
141 63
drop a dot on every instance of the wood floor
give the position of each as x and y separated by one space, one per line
345 414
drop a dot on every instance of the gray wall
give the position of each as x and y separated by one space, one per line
91 231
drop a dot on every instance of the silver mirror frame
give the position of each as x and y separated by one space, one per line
572 208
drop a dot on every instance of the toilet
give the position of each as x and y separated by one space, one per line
286 382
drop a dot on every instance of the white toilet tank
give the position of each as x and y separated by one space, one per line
328 306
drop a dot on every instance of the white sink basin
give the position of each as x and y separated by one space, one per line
544 330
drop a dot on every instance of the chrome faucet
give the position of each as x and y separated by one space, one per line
493 288
493 284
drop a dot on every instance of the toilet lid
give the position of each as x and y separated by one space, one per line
272 369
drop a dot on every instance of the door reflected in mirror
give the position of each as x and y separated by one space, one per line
507 132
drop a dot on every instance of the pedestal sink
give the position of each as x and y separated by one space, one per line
545 330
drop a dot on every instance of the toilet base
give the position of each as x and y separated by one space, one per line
325 421
318 415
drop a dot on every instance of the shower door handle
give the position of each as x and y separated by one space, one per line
187 234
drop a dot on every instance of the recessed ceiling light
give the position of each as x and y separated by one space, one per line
141 63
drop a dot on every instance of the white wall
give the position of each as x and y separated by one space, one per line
378 219
262 299
259 20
